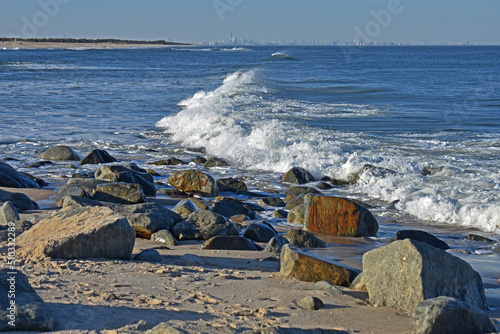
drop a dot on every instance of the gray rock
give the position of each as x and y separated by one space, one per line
297 190
272 201
168 162
296 215
446 315
404 273
69 190
215 162
275 244
229 243
195 182
29 312
89 185
148 255
260 232
8 214
232 185
77 201
420 236
11 178
327 287
297 175
475 237
148 187
20 201
279 214
192 260
324 186
164 236
163 328
434 170
96 157
203 225
310 303
185 207
229 207
121 193
373 170
358 284
304 239
298 200
61 153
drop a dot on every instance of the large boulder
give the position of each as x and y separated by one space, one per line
297 175
301 238
233 242
195 182
61 153
232 185
272 201
69 190
8 214
96 157
78 233
404 273
420 236
203 225
306 266
296 215
11 178
229 207
89 185
20 201
186 207
260 232
338 216
25 310
446 315
148 187
119 192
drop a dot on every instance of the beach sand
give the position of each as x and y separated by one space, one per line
43 45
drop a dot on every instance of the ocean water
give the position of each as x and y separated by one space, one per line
330 110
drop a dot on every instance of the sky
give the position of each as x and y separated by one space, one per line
198 21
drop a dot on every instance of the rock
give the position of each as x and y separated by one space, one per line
324 186
8 214
310 267
420 236
228 207
20 201
9 177
304 239
260 232
433 170
199 160
310 303
338 216
193 181
297 175
79 233
163 328
39 164
148 255
279 214
496 249
174 192
475 237
186 207
449 315
69 190
108 172
215 162
374 171
296 201
296 215
358 284
122 193
275 244
148 187
229 243
164 236
272 201
168 162
192 260
41 183
297 190
404 273
327 287
83 202
203 225
89 185
61 153
96 157
232 185
29 313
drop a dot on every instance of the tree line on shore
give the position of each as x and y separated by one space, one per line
86 40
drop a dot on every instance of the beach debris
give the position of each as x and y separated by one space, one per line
228 206
406 272
297 175
196 182
148 255
276 244
215 162
310 303
304 239
60 153
420 236
70 190
232 185
120 192
77 233
338 216
164 236
449 315
203 225
8 214
306 266
272 201
230 243
20 201
260 232
96 157
11 178
327 287
296 215
29 312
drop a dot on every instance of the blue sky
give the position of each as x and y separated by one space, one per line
196 21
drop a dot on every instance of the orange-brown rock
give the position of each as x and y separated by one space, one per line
338 216
193 181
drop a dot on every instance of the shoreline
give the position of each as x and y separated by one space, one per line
50 45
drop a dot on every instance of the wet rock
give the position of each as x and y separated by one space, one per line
260 232
297 190
296 201
148 255
232 185
199 160
228 207
164 236
475 237
96 157
296 215
121 193
168 162
29 313
9 177
324 186
61 153
310 303
338 216
148 187
374 171
69 190
305 266
8 214
304 239
229 243
193 181
297 175
404 273
88 184
272 201
203 225
174 192
275 244
336 182
215 162
420 236
40 164
186 207
449 315
79 233
279 214
327 287
20 201
433 170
